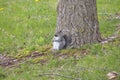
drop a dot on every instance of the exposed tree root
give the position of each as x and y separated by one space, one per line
113 37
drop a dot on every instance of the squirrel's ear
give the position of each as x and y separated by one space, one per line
60 30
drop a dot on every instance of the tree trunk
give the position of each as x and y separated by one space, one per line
78 21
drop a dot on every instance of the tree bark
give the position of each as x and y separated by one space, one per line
79 22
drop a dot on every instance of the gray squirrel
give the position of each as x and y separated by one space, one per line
59 41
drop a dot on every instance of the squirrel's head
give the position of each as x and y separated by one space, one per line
58 35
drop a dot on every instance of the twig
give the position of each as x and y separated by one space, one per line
55 74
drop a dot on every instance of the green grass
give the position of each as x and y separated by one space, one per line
27 26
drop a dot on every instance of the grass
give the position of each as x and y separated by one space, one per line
27 26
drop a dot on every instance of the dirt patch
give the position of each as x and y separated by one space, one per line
7 60
39 57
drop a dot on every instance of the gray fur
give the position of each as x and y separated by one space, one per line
59 41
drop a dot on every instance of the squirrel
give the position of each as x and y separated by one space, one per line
59 41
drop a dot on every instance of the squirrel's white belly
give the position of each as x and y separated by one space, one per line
56 45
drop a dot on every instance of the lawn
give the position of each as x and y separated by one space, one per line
26 31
